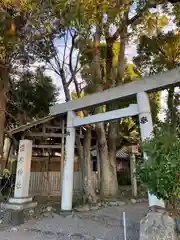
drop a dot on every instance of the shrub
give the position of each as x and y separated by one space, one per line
159 169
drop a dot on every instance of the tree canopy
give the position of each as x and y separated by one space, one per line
30 96
158 53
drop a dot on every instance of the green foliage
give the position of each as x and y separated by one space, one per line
149 23
109 56
154 99
30 97
130 74
176 13
13 19
6 173
159 171
158 53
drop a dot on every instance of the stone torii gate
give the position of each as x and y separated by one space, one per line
138 88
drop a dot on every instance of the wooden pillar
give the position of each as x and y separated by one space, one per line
133 174
98 167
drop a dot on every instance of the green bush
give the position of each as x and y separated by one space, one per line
159 169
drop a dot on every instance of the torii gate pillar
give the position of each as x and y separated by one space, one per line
67 188
146 127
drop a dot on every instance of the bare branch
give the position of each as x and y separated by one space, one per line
71 53
64 54
75 70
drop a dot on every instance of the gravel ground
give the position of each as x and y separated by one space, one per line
105 224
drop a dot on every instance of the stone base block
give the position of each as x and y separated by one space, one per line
18 206
65 213
20 200
13 218
158 226
14 210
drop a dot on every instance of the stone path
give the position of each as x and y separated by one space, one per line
105 224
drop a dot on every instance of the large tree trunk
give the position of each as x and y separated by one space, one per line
110 149
172 110
109 185
80 155
121 57
112 136
84 157
89 190
3 103
105 184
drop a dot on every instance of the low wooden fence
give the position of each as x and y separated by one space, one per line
43 183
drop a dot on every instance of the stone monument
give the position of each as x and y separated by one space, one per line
21 200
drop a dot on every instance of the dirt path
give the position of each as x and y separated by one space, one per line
105 224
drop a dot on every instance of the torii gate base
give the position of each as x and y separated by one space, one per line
142 109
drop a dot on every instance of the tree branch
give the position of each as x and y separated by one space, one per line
66 41
74 71
141 11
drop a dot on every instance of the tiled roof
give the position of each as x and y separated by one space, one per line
121 153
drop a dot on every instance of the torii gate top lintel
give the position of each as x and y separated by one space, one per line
153 83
